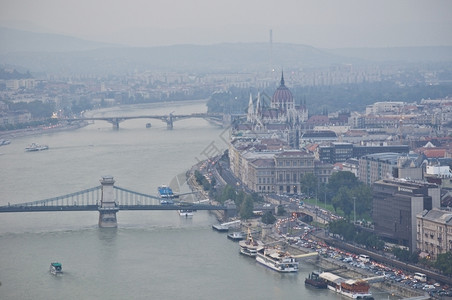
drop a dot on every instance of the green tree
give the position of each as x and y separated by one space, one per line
342 179
308 183
405 255
268 218
363 198
344 228
198 176
342 200
280 211
246 209
213 182
228 192
205 184
443 263
240 197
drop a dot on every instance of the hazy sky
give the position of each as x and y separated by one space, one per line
319 23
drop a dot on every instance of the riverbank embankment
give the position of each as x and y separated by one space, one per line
322 262
12 134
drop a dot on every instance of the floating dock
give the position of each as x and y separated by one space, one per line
225 226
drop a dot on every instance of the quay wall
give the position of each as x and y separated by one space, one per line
387 261
336 267
201 194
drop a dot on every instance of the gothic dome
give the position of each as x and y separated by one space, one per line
282 98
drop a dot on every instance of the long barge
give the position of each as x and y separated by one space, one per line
355 289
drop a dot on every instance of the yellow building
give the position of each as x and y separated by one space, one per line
434 232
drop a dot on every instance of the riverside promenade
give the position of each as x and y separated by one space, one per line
318 238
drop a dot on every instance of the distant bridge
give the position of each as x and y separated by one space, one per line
168 119
108 200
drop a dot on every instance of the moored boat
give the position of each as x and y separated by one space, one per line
277 260
165 191
314 280
355 289
250 246
35 147
185 213
166 194
4 142
56 268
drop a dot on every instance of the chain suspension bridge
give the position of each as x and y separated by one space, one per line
108 200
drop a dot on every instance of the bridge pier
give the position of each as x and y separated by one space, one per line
108 206
169 122
114 122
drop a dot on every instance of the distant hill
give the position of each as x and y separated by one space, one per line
14 40
39 52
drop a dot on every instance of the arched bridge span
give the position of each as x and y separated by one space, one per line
168 119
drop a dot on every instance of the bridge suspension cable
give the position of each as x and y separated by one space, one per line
129 197
89 196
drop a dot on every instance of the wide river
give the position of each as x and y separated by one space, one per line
152 254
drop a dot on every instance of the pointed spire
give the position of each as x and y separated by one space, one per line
258 105
250 116
282 78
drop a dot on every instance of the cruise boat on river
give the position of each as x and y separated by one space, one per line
4 142
188 213
35 147
250 246
314 280
166 194
277 260
352 288
56 268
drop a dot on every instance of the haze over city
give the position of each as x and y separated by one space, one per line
322 24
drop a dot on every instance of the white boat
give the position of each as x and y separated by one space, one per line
35 147
250 246
56 268
277 260
185 213
4 142
355 289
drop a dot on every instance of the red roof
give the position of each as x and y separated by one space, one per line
435 153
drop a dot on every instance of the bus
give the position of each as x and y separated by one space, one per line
420 277
364 258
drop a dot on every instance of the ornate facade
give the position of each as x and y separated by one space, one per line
279 113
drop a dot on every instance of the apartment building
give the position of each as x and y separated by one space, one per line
434 231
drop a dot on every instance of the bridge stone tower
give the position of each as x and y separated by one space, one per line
108 206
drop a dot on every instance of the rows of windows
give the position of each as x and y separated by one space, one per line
266 180
263 188
295 163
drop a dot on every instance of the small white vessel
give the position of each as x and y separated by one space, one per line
4 142
35 147
188 213
277 260
56 268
